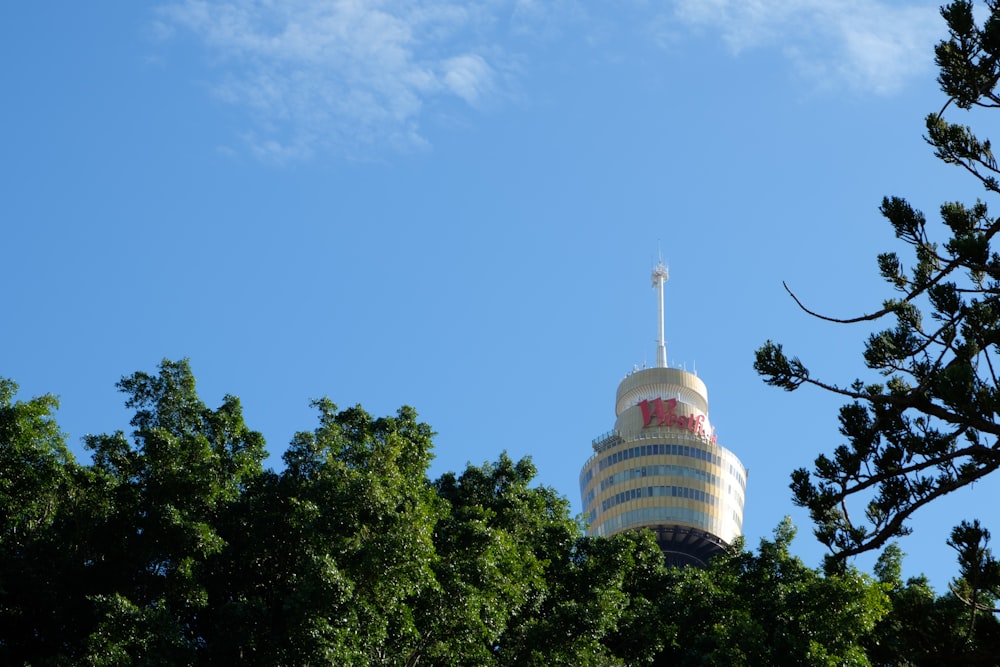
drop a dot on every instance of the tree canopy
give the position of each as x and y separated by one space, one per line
174 546
929 425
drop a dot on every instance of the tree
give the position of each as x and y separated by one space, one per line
490 569
770 609
33 465
105 563
931 425
328 557
155 506
923 629
519 584
38 479
552 595
173 546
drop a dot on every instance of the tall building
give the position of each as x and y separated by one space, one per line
661 467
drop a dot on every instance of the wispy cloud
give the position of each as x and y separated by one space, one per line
867 45
357 76
341 75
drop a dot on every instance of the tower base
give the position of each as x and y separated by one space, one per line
683 546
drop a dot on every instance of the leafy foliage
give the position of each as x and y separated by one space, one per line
38 480
923 629
173 546
930 425
770 609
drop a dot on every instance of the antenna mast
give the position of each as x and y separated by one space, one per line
660 276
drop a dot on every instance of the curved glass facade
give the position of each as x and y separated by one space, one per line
662 468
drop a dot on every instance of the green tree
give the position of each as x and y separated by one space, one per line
173 546
33 465
38 479
930 425
328 557
924 629
488 570
770 609
519 584
155 505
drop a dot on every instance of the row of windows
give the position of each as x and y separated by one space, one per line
662 449
589 498
735 494
738 474
659 449
659 491
671 470
657 434
645 515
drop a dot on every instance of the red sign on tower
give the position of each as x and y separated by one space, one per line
659 412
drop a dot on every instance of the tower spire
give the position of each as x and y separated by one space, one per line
660 276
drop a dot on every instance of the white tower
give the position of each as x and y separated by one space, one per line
662 468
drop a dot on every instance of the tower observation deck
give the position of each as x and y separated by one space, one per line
661 467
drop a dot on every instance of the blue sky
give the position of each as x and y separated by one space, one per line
457 206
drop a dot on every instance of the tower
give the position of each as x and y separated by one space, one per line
661 467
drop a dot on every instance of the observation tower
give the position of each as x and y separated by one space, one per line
661 467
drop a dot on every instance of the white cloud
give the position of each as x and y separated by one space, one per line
872 45
468 76
340 75
355 76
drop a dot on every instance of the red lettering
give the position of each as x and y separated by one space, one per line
660 412
671 417
648 414
655 410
